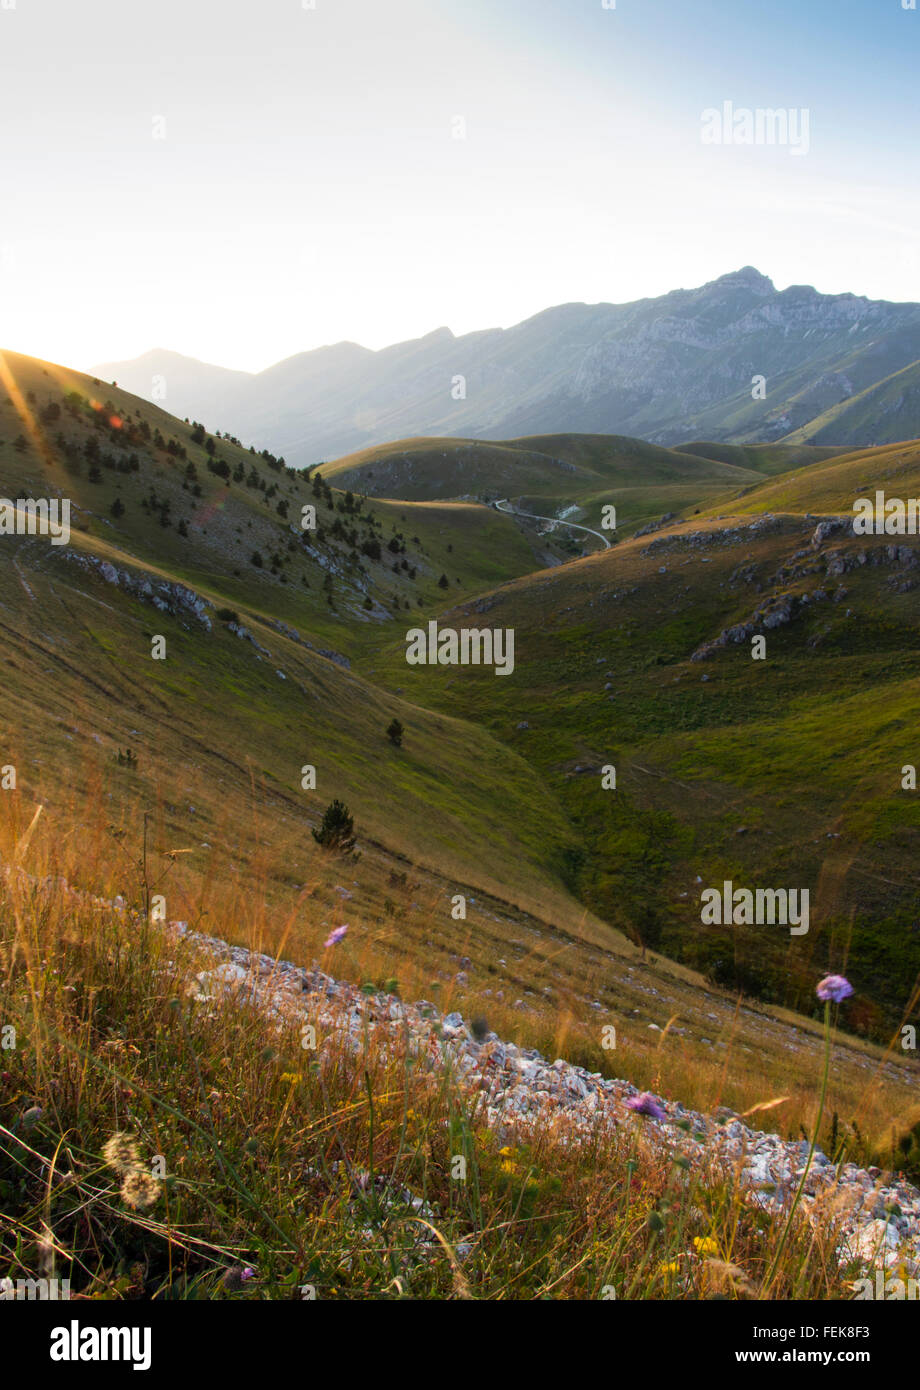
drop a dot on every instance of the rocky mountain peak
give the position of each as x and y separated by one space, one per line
747 278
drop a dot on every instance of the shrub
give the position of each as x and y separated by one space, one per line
335 832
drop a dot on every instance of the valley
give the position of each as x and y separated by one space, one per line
193 679
496 787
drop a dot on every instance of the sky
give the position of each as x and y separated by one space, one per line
241 180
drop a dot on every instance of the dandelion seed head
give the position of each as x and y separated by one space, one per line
139 1190
120 1152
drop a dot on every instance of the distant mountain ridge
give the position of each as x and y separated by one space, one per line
839 370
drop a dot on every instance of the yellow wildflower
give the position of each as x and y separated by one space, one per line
705 1245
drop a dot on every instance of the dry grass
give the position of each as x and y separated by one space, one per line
256 1154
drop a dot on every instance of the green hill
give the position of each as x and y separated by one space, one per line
762 458
200 506
832 486
783 771
570 464
548 474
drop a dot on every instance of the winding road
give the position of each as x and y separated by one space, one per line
557 521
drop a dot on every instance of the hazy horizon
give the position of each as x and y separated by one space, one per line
435 328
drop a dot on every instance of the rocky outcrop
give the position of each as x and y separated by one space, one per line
521 1093
245 635
174 599
656 525
831 526
775 613
786 606
719 539
294 636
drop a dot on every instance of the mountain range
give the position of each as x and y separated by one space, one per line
735 361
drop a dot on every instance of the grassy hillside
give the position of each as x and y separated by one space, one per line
539 465
832 487
762 458
199 506
487 795
250 692
885 412
781 772
546 474
180 1143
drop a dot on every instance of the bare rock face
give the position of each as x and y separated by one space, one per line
830 527
785 606
174 599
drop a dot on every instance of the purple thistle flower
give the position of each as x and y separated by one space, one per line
646 1104
336 935
834 989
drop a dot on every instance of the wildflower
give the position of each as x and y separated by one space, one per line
834 989
292 1076
705 1245
672 1267
120 1152
646 1104
139 1190
336 935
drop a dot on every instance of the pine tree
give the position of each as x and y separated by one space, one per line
335 833
395 733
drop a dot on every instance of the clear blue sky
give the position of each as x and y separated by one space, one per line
310 186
